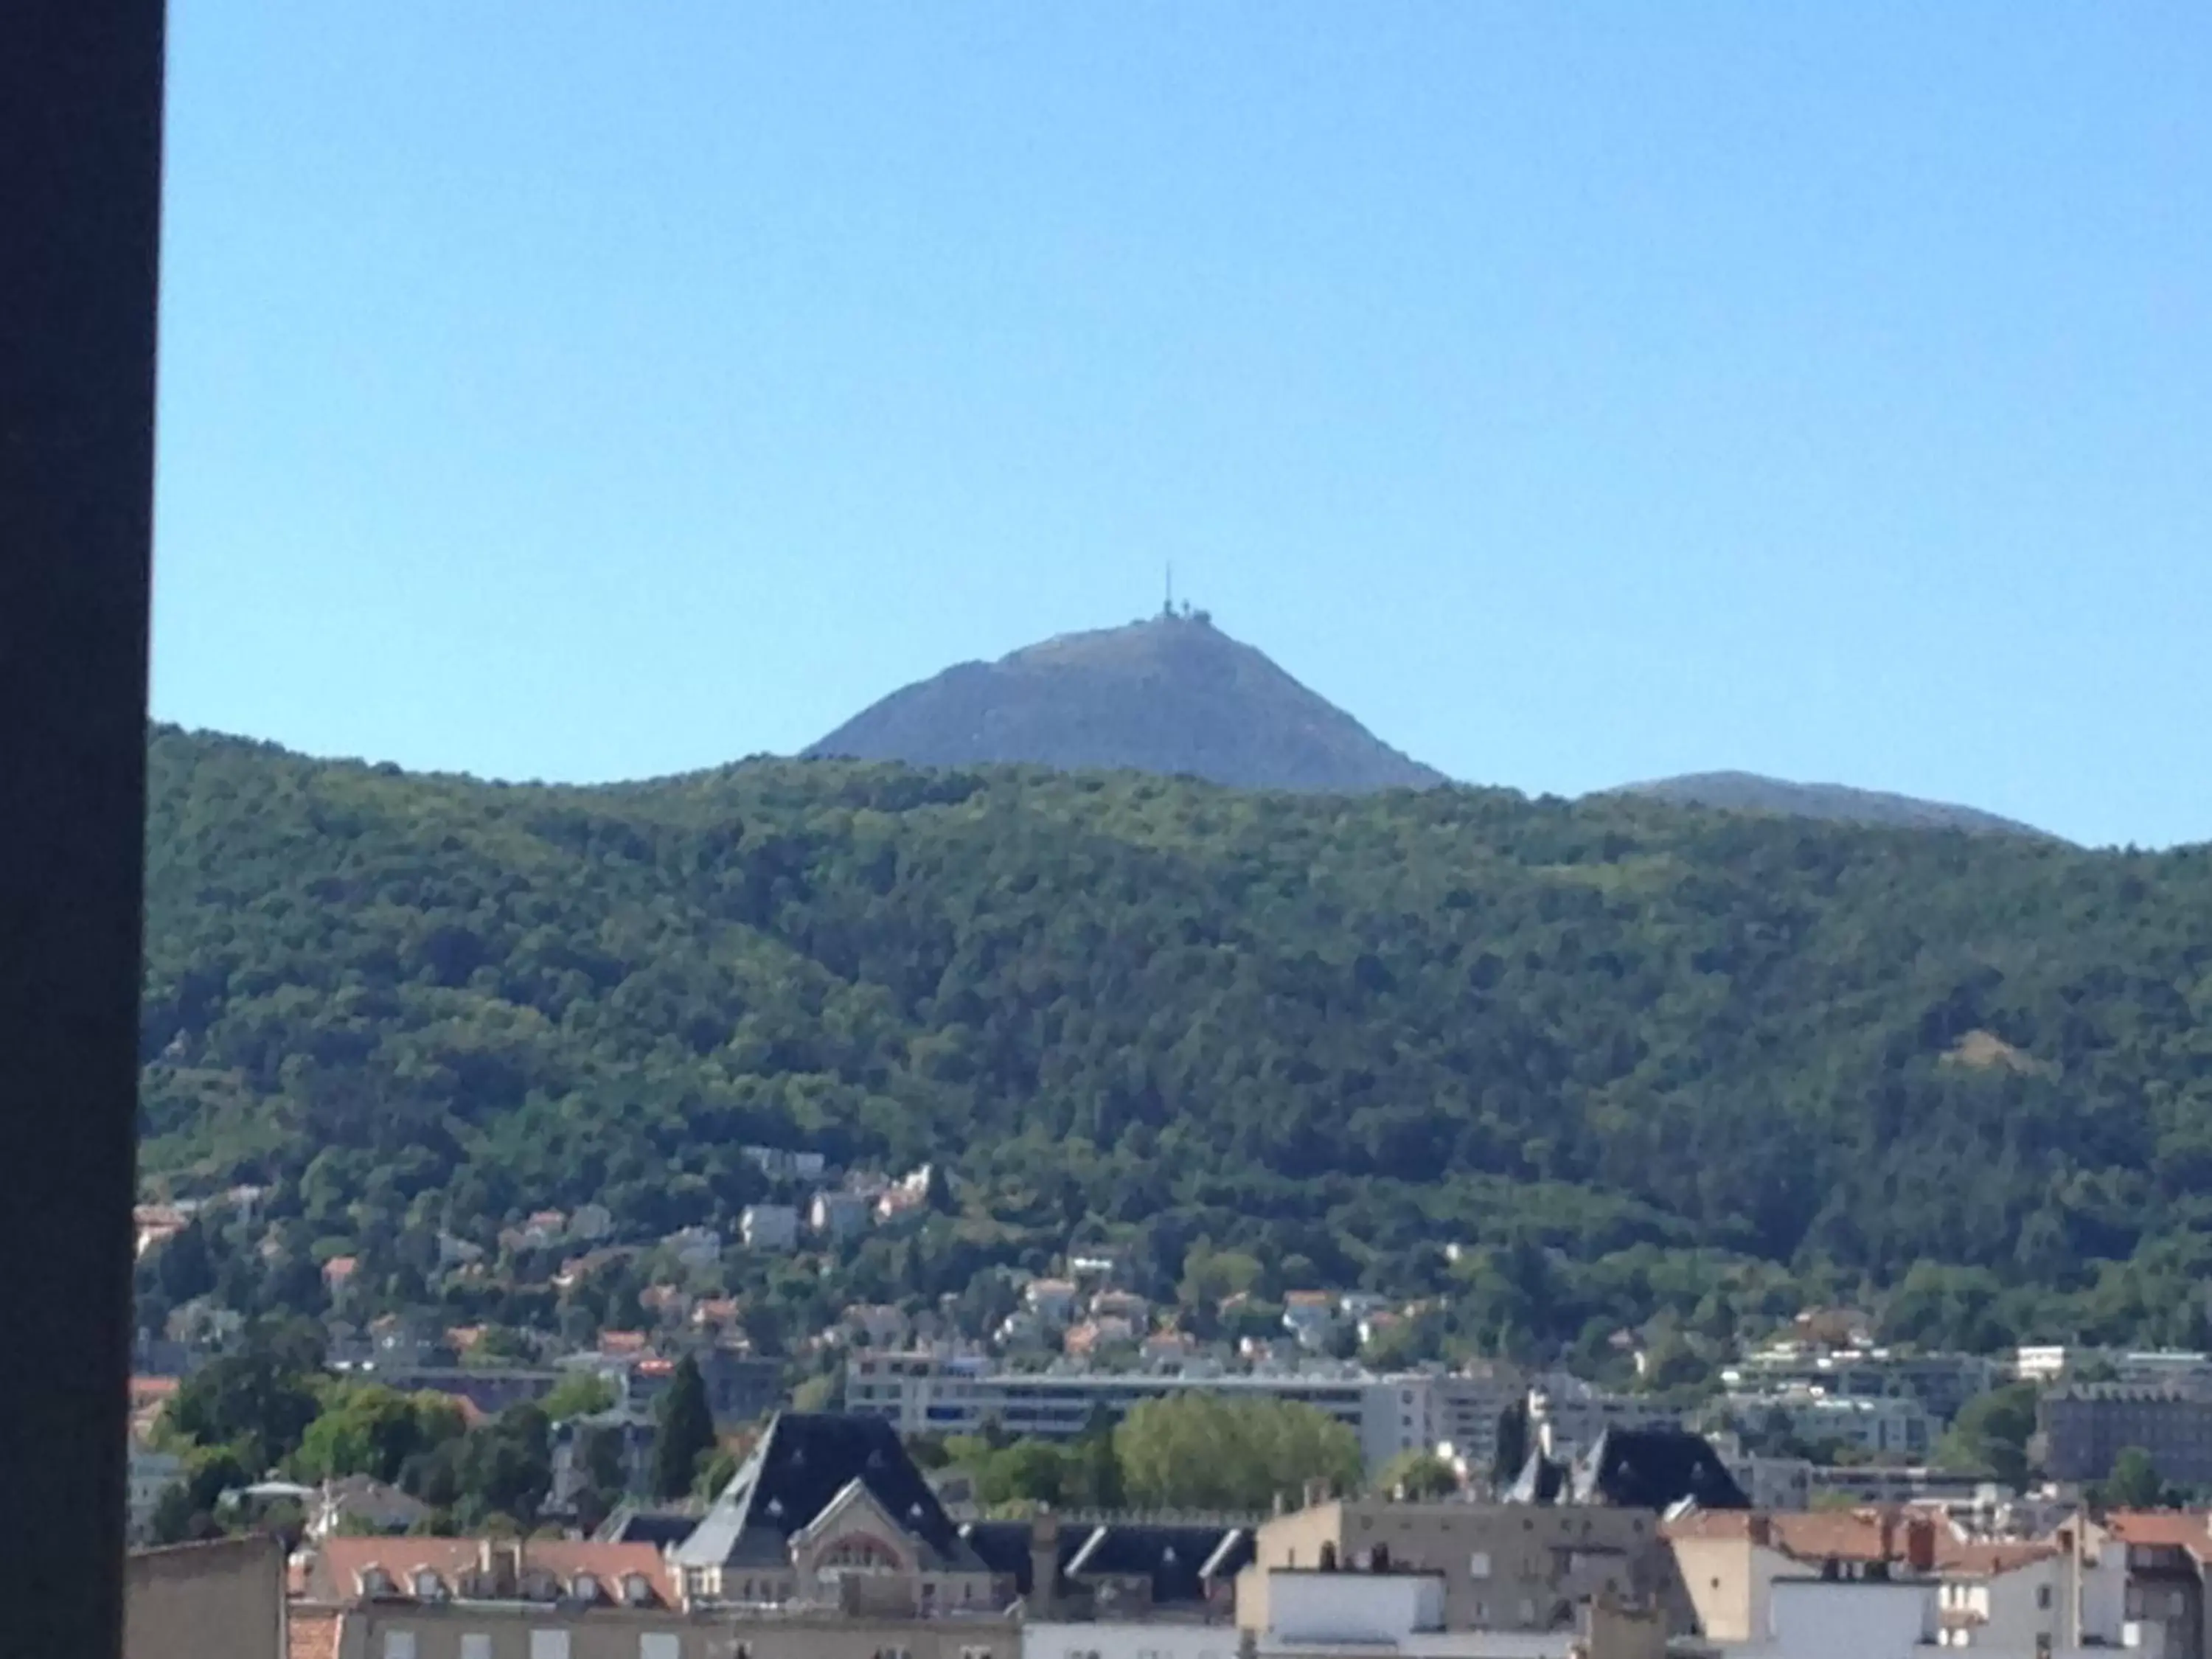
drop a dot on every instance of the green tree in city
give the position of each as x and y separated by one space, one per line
1194 1450
2134 1483
1417 1475
579 1394
1990 1436
686 1431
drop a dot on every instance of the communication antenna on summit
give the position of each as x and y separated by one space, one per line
1167 608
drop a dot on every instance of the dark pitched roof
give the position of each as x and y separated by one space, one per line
1634 1468
1178 1561
1174 1558
797 1468
630 1524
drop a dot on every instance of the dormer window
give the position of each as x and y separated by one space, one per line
637 1590
428 1587
539 1585
584 1587
376 1582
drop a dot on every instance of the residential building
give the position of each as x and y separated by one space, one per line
1465 1409
356 1504
1869 1583
221 1600
2167 1554
2182 1370
1941 1382
1774 1483
1567 1414
2085 1426
768 1227
839 1217
926 1394
779 1165
2044 1363
1501 1567
1888 1426
1112 1570
1311 1317
696 1249
1052 1300
459 1598
830 1512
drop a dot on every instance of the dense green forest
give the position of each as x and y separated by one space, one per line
1629 1056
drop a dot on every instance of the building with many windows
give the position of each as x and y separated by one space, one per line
926 1393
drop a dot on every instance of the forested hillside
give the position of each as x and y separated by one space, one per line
1633 1055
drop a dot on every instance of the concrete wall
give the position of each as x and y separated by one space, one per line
223 1600
1504 1566
507 1632
1306 1606
1108 1640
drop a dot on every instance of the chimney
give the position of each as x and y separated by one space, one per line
1316 1493
1888 1536
1760 1529
1044 1563
1920 1544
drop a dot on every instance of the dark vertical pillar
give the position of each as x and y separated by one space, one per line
80 195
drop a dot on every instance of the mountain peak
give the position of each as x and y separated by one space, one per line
1171 694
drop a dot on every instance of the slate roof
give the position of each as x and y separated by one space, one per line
1179 1560
796 1468
1634 1468
630 1524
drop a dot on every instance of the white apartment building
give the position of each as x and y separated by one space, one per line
1896 1426
1942 1382
926 1394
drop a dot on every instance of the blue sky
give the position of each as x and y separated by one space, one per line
1575 393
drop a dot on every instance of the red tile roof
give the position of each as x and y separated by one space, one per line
1859 1535
2172 1529
341 1562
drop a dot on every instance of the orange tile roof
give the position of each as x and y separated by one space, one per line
1986 1559
340 1563
1859 1535
311 1633
621 1341
2172 1529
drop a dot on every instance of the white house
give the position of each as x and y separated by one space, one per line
769 1227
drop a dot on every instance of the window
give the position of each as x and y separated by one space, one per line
428 1587
476 1645
399 1645
548 1644
1478 1564
660 1644
584 1587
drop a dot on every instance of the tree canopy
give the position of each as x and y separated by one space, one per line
1628 1056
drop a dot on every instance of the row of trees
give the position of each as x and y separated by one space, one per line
1186 1451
